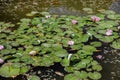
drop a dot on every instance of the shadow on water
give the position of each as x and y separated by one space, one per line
13 10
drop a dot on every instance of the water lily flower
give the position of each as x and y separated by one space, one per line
47 16
32 53
99 56
74 21
109 32
1 47
70 42
119 27
1 61
95 18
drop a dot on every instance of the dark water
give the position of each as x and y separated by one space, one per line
13 10
111 64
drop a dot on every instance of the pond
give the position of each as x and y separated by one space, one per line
13 10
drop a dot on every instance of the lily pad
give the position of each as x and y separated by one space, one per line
34 77
96 44
71 77
12 69
116 44
94 75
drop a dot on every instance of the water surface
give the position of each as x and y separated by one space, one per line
12 10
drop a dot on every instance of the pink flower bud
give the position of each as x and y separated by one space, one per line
71 43
99 56
74 21
119 27
1 47
1 61
32 53
48 16
95 18
109 32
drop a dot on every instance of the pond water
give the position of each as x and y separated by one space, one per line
13 10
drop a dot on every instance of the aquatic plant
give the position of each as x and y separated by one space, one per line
43 41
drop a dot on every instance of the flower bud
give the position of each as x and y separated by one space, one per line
70 42
1 47
1 61
109 32
99 56
32 53
48 16
74 21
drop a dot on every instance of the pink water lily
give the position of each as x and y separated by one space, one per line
47 16
109 32
32 53
74 21
99 56
70 42
1 47
95 18
1 61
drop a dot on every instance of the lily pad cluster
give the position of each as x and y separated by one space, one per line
47 39
107 29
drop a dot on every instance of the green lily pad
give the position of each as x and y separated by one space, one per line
94 63
94 75
108 12
116 44
34 77
89 48
71 77
83 75
36 21
65 62
12 69
97 67
96 44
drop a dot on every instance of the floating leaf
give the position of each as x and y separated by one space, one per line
71 77
36 21
34 77
12 69
96 44
89 48
83 75
94 75
65 62
116 44
88 10
97 67
108 12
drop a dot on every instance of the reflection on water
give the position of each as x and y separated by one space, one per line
111 64
115 6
